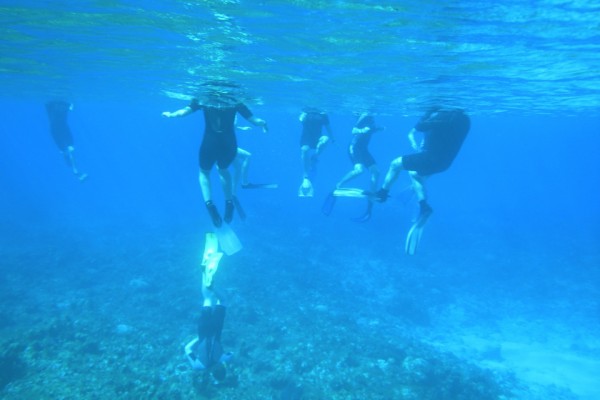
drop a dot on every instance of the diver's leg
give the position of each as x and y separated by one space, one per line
237 172
208 297
392 173
205 187
416 231
374 177
305 157
357 170
321 144
70 159
204 180
226 182
245 163
306 189
418 185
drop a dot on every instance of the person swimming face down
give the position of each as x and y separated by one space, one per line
220 93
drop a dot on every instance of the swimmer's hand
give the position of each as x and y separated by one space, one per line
167 114
259 122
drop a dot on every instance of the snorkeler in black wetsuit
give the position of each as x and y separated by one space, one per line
444 131
361 158
219 145
312 139
205 353
61 132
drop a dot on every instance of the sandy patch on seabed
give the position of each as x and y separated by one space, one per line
540 353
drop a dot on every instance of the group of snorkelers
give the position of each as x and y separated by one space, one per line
442 131
60 131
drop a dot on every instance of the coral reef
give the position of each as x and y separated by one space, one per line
108 318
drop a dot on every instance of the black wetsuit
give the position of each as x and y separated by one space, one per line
219 144
444 133
359 147
59 128
208 350
312 126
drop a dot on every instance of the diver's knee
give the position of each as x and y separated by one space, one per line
396 164
322 141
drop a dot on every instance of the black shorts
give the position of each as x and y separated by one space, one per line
220 152
310 140
62 138
425 163
361 156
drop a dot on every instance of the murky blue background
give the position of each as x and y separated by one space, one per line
508 265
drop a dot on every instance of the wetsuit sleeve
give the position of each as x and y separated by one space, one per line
218 320
211 322
192 356
361 124
195 105
243 111
433 121
57 106
51 107
205 323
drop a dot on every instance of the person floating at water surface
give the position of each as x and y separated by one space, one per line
312 144
205 352
444 130
219 143
58 111
241 166
362 160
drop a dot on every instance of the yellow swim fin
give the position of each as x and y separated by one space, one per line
210 259
211 246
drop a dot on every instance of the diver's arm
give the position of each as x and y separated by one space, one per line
366 129
189 348
179 113
226 357
329 132
432 121
412 140
259 122
189 353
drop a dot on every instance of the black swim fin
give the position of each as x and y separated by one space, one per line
229 208
214 214
367 215
328 204
260 186
413 238
239 208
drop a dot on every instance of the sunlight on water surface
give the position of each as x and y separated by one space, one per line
394 57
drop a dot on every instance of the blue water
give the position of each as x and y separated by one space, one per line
99 283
